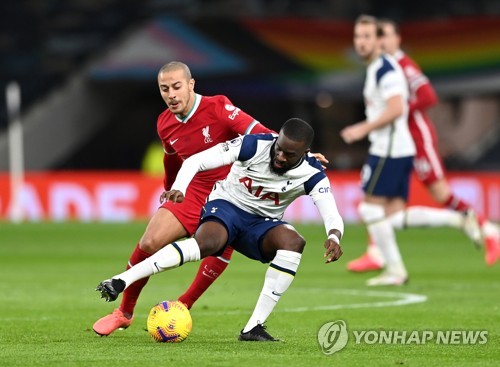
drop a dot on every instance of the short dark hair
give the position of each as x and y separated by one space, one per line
298 130
176 65
391 22
370 19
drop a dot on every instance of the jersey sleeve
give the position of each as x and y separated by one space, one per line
391 84
219 155
171 164
325 202
239 121
425 97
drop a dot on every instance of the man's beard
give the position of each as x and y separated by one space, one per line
279 171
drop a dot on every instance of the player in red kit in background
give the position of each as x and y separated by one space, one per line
191 123
428 163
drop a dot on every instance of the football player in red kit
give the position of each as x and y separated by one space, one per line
428 164
191 123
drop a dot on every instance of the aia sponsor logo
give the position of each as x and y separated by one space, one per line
260 193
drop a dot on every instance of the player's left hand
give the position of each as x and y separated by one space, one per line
355 132
175 196
333 251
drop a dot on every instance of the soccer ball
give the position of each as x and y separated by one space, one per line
169 322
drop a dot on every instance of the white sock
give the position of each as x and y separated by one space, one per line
279 276
422 216
382 233
171 256
375 253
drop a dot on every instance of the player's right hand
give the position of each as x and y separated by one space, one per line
175 196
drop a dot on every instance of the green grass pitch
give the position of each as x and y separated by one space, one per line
48 273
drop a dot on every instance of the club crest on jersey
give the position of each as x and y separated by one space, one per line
283 189
206 134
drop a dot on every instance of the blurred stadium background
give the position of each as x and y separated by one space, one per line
87 71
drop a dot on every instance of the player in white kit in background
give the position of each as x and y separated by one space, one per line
385 176
428 166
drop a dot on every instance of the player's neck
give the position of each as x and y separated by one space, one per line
189 107
373 56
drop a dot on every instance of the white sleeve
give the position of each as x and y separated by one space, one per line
219 155
392 84
322 196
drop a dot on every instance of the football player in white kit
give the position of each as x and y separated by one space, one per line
245 211
386 175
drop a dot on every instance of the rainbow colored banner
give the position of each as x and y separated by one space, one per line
459 45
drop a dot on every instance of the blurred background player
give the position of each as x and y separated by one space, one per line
385 177
245 211
428 163
190 124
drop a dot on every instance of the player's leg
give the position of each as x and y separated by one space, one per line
210 237
163 228
283 245
382 179
386 186
373 212
431 172
210 269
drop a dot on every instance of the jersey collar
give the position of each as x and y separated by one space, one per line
398 55
196 104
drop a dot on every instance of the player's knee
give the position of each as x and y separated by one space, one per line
150 244
296 244
208 246
371 213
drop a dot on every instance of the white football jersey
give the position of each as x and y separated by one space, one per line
385 79
252 186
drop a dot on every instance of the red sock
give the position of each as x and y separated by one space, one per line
457 204
131 294
210 269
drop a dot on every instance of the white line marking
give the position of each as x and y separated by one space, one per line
400 299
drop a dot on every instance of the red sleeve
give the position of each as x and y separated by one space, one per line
421 90
239 121
425 97
172 163
258 128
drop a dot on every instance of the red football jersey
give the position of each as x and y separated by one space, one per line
428 163
212 120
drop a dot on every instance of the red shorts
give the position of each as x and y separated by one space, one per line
428 163
188 212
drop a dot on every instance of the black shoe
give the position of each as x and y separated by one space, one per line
111 288
257 334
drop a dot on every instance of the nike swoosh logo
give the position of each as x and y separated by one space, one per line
277 294
251 170
172 142
157 266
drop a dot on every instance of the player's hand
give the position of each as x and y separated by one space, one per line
175 196
333 251
355 132
321 158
